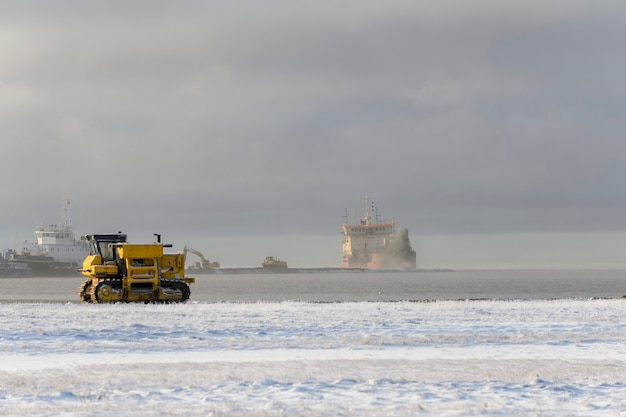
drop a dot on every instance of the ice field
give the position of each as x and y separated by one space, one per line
457 358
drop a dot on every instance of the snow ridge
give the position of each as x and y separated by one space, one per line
490 357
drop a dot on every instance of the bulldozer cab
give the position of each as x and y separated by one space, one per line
101 245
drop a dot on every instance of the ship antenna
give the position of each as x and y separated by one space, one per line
366 219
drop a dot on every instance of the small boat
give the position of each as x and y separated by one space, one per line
14 269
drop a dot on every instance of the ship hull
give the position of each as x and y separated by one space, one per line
380 262
45 266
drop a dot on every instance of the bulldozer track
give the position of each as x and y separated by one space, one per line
99 294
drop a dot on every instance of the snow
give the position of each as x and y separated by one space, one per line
488 357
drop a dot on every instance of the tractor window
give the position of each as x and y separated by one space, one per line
93 248
107 252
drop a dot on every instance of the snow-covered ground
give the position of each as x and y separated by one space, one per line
556 358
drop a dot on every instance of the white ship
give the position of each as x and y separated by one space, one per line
56 250
376 244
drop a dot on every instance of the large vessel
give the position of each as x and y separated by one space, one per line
56 250
376 244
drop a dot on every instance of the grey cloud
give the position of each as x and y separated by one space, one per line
273 117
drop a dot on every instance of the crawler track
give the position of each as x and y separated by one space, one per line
106 289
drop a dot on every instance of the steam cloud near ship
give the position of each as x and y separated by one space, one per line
396 253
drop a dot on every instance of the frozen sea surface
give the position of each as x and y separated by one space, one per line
502 357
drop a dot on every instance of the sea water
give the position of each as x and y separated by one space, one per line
360 286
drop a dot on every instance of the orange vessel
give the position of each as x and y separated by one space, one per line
376 244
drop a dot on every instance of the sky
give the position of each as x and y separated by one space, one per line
492 130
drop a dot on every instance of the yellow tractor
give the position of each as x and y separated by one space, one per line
272 262
121 271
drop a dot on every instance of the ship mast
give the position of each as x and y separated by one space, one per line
66 216
366 217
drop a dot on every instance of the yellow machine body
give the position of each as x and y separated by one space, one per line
119 271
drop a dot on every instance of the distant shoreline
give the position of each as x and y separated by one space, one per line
262 270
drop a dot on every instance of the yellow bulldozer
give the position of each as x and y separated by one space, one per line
119 271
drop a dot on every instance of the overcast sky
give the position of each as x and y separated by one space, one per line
493 130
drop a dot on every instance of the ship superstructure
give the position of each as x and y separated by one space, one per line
374 243
59 242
